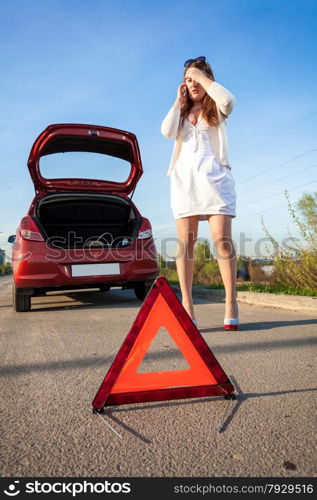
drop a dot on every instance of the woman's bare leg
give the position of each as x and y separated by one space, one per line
187 228
220 227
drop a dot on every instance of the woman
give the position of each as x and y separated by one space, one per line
202 187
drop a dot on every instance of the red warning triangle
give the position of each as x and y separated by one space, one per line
124 384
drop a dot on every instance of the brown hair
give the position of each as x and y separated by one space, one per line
209 112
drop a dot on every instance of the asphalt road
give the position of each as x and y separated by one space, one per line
54 358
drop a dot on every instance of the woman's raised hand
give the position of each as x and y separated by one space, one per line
199 76
195 74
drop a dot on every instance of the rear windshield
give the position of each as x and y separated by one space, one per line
86 158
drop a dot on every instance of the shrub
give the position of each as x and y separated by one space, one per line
296 266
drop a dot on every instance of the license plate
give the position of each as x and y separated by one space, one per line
95 269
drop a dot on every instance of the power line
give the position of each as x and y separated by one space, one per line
278 165
275 208
272 208
166 214
259 144
275 135
249 215
283 177
275 194
284 163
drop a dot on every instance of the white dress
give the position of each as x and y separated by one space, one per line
199 184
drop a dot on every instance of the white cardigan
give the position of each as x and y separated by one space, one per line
224 101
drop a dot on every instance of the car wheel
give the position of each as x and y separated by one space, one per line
141 291
21 302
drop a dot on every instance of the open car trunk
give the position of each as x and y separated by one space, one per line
87 220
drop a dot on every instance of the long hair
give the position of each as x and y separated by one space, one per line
209 110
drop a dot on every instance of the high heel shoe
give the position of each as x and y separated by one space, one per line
231 324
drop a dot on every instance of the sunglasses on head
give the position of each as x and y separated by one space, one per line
198 59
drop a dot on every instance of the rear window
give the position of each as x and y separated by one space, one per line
86 158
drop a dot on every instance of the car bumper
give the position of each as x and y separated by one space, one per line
41 270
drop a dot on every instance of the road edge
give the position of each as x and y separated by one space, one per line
269 300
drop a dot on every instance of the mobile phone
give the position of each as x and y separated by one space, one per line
184 93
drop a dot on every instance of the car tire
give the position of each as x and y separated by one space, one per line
21 301
141 291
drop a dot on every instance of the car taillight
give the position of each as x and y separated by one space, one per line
29 230
145 230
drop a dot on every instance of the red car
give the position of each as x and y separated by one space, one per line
83 230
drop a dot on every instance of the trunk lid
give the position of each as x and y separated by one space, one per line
84 158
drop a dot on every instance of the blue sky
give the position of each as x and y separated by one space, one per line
118 63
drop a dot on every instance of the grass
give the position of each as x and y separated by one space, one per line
252 287
280 289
